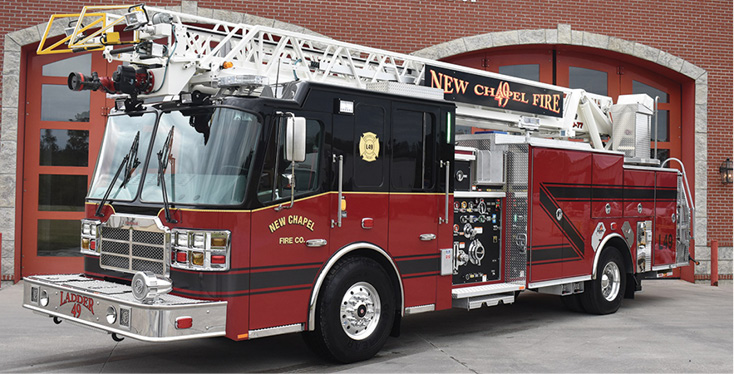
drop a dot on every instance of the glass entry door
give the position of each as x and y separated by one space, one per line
62 134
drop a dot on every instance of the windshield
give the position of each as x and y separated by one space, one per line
119 142
206 156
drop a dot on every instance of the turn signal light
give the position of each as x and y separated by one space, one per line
197 258
184 322
219 242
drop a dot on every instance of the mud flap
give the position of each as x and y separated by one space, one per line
634 283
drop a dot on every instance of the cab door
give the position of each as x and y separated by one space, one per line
289 242
360 165
414 200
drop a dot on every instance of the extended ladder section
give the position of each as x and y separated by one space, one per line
173 55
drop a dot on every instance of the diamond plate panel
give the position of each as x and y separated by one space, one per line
517 214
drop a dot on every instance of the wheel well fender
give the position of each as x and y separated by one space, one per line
362 249
614 242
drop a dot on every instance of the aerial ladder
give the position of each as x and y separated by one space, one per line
173 55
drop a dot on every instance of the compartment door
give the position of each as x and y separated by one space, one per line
664 239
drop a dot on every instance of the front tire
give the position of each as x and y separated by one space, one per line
603 295
355 311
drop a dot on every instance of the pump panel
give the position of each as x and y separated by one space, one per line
477 239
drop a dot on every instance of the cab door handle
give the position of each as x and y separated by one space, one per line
315 242
427 237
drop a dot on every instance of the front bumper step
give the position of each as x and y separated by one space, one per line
111 307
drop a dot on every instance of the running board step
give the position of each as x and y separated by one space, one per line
488 300
484 290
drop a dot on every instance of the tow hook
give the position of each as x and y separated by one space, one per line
57 320
694 260
117 338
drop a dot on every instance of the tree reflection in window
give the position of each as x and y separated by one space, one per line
64 147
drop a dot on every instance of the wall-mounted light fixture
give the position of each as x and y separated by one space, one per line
726 171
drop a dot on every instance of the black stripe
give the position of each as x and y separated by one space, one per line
419 266
210 283
573 235
283 278
641 193
570 192
607 193
666 194
283 290
411 256
547 246
422 276
206 295
545 254
566 227
279 266
557 261
562 192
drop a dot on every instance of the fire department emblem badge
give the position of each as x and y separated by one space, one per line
369 146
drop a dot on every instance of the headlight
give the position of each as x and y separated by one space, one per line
182 239
199 241
111 314
44 298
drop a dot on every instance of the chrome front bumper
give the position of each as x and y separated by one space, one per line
94 303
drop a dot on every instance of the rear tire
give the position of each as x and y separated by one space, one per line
355 311
604 294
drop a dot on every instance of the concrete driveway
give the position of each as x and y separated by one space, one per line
672 326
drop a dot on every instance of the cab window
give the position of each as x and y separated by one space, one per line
278 174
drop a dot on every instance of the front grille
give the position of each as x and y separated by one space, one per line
148 237
116 234
132 248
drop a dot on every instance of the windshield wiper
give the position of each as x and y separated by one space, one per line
129 163
165 153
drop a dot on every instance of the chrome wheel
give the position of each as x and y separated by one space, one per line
610 280
360 311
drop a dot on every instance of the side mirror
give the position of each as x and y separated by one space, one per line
295 139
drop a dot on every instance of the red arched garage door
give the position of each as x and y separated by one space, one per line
61 135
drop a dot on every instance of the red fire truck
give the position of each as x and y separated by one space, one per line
255 181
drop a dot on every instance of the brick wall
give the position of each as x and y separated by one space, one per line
699 32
